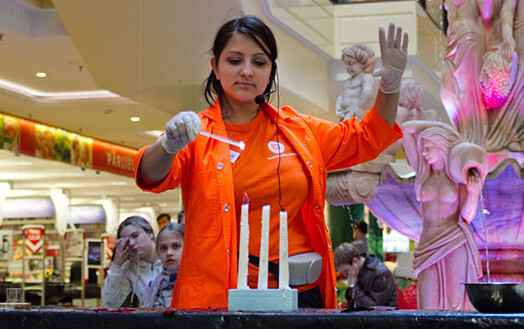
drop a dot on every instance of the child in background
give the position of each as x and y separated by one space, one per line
169 246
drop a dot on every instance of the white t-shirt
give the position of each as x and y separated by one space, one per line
121 280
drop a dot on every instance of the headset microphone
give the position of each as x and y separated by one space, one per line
261 98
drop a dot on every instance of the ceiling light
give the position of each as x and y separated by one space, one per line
74 174
45 97
41 74
135 119
118 183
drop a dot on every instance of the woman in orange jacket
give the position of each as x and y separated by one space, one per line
284 164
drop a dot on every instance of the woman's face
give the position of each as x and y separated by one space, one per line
140 242
430 152
243 69
169 249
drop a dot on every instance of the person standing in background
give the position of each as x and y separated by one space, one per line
162 220
360 241
181 217
369 281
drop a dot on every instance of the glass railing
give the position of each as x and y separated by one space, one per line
434 8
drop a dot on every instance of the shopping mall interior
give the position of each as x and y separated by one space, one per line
94 81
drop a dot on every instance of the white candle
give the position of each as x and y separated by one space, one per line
283 268
243 248
264 249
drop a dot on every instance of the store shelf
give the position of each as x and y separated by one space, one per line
28 222
31 288
34 257
74 258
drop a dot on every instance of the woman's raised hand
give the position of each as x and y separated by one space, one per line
122 251
394 57
181 130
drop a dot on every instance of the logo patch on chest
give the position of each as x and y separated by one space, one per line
276 147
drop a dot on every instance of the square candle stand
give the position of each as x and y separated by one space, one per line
263 299
285 300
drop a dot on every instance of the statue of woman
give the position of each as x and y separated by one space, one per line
460 91
449 176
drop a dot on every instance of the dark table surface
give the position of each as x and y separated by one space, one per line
56 292
79 318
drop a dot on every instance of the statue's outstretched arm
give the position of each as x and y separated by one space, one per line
468 166
471 191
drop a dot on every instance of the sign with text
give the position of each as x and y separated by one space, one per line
37 140
34 239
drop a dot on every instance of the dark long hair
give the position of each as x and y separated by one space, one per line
252 27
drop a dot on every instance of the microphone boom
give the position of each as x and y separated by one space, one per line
261 98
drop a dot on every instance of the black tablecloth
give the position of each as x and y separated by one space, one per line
61 317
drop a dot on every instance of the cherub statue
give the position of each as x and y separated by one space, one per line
410 103
361 87
449 177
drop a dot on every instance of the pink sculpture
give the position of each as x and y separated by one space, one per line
483 93
449 176
409 108
410 103
482 78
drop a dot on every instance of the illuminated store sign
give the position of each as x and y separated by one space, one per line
30 138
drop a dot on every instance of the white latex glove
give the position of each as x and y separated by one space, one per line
394 58
181 130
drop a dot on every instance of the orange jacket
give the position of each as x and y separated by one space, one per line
203 169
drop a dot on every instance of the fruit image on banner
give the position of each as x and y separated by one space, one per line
34 239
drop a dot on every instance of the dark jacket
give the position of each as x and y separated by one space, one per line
376 285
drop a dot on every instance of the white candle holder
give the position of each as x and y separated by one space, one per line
262 299
285 300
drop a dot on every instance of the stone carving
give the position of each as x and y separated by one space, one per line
351 187
482 77
359 184
449 177
410 108
482 91
361 87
